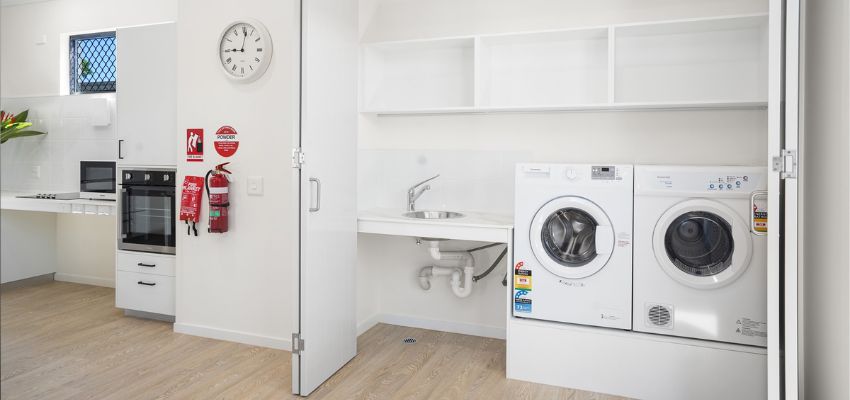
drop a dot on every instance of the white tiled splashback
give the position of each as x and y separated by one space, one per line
79 127
469 179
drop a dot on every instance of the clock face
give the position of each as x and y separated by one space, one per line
245 50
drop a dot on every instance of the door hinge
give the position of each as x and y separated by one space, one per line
786 164
297 158
297 343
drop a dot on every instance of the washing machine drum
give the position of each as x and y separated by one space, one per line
702 244
571 237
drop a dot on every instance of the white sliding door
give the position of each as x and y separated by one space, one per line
326 310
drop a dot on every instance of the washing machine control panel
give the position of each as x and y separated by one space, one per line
603 172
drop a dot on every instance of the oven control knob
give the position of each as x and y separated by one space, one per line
147 177
165 177
127 175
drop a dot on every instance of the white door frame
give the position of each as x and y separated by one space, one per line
783 199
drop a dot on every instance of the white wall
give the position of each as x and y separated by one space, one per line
31 36
475 153
237 285
826 201
31 77
26 244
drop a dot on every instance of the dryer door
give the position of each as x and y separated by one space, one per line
702 244
572 237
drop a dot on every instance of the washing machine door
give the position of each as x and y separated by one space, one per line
702 243
571 237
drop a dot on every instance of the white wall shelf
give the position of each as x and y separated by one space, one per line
419 74
706 63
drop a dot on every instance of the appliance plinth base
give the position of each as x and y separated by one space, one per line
633 364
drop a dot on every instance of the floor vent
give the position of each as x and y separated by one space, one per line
408 340
660 316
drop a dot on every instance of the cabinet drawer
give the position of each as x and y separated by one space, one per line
144 292
145 263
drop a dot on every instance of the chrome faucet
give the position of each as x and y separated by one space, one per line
413 194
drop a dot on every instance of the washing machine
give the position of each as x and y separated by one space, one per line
573 244
700 253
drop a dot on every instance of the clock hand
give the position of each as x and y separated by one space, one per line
243 43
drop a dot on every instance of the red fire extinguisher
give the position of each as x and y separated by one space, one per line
218 197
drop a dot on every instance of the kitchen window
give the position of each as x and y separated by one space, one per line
92 62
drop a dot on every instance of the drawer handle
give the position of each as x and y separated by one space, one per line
146 265
147 283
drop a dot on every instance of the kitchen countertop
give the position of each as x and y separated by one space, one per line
477 226
10 201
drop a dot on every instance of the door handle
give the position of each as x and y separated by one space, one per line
318 194
147 283
146 265
120 142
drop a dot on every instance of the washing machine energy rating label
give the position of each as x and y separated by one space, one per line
522 281
522 289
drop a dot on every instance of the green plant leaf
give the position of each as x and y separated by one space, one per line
11 135
22 116
17 126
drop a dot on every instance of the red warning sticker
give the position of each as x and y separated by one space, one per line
226 142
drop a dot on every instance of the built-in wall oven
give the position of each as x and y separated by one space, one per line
148 210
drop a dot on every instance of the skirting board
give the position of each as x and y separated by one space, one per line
84 279
635 365
432 324
234 336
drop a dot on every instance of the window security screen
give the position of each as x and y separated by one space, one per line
92 62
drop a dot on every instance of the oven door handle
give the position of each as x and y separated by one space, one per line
125 215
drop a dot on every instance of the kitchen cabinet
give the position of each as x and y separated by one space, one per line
146 94
145 282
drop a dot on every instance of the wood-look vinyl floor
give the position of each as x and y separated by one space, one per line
68 341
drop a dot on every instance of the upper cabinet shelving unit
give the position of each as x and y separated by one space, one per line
687 64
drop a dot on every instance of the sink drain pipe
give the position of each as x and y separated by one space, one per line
461 273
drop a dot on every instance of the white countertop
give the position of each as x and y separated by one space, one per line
10 201
477 226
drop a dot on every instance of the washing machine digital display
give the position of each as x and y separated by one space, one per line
604 172
569 237
700 243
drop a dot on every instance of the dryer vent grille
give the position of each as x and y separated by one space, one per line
660 316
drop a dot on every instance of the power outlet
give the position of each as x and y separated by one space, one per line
255 185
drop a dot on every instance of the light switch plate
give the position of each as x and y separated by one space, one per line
255 185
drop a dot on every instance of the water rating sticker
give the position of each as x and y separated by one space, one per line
521 302
522 305
226 142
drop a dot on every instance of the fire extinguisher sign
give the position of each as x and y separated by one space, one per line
226 142
194 145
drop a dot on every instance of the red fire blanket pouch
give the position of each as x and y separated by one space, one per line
190 202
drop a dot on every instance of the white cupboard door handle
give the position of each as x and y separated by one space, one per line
318 194
604 240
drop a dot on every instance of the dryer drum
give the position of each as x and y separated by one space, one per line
569 237
700 243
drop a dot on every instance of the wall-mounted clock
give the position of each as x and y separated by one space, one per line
245 50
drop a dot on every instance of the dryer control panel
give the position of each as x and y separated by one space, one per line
690 180
728 182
